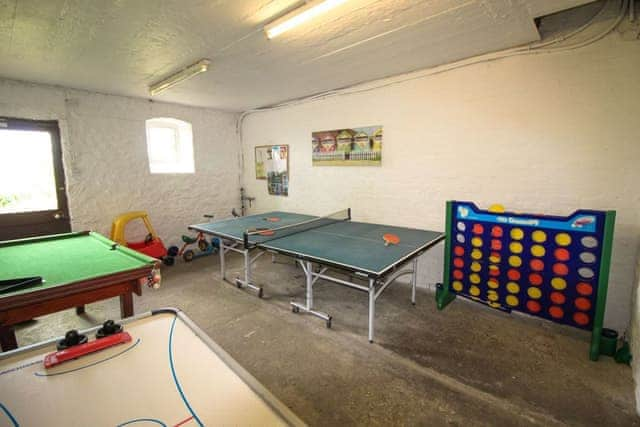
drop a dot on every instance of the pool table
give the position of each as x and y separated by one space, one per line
76 269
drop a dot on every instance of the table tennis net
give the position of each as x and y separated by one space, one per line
256 237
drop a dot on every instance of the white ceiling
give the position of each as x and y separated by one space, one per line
120 46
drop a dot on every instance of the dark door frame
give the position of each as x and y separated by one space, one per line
19 224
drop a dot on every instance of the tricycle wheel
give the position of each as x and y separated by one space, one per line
168 260
188 255
203 245
173 250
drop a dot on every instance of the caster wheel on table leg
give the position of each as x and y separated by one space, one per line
260 293
238 284
295 309
329 323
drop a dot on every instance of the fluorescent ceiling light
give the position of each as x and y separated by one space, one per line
299 16
192 70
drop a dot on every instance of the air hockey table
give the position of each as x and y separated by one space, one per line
169 374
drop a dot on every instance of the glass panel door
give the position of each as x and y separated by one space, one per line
27 179
32 186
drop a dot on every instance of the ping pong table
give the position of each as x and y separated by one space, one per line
321 245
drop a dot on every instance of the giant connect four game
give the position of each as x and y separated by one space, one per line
552 267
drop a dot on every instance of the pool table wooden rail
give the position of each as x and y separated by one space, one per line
23 307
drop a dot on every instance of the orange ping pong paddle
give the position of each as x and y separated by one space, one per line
390 239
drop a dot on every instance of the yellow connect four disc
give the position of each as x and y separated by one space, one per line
538 250
534 293
517 233
515 247
496 208
457 285
513 287
539 236
515 261
558 283
511 300
563 239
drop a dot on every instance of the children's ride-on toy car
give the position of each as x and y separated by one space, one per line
207 247
151 245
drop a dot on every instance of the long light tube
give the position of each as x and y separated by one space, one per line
299 16
192 70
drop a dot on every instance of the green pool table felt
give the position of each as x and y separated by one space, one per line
65 258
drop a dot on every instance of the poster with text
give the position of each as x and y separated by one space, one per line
347 147
272 164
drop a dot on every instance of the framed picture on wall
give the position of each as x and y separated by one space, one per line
347 147
272 164
261 156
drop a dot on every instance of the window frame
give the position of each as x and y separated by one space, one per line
184 161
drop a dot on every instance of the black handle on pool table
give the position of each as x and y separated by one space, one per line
11 285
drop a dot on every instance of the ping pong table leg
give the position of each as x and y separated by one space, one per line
307 307
222 252
248 262
247 267
372 306
414 277
309 286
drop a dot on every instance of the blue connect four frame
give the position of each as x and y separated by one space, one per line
554 267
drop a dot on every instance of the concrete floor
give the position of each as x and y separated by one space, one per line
467 365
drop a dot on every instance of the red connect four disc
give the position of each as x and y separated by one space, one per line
561 254
535 279
513 274
584 289
560 269
477 229
556 312
536 264
533 306
558 298
581 319
582 304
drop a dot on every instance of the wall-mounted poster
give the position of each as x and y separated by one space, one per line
347 147
272 164
261 154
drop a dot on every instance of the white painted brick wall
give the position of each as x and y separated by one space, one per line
634 336
545 133
105 157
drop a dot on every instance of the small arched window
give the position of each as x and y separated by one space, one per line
170 146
